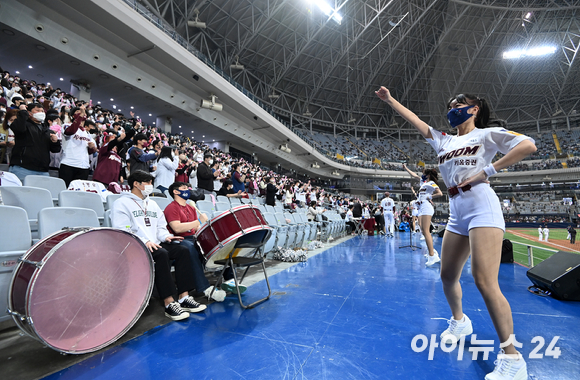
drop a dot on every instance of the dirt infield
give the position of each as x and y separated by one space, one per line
559 244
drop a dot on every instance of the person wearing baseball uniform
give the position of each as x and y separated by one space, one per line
476 225
388 205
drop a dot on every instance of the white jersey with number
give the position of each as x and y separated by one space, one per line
387 204
461 157
426 191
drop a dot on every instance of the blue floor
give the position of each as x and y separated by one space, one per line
350 312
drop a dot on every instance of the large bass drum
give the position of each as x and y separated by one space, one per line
219 236
79 290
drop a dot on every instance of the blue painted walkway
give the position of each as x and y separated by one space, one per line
350 312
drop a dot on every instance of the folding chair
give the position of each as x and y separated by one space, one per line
255 241
359 225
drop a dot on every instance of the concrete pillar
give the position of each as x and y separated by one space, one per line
80 92
163 123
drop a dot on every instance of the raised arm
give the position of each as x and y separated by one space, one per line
384 94
411 173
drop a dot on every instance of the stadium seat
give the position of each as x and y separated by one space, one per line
16 240
52 219
300 229
111 198
107 219
83 199
31 199
235 201
291 235
205 207
281 230
53 184
223 198
222 206
162 202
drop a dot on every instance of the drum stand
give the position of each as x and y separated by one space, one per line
236 262
410 242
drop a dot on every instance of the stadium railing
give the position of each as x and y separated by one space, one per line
530 254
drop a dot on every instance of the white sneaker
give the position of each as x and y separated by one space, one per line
218 295
433 260
457 329
422 237
508 367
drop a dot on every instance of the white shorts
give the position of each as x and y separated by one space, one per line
415 213
426 208
477 207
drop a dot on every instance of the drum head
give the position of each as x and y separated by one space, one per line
91 289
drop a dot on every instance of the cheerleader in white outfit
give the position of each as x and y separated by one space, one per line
476 223
428 191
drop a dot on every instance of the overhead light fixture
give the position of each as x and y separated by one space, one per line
328 10
351 120
315 165
273 95
211 104
284 148
196 23
307 113
336 173
237 66
532 52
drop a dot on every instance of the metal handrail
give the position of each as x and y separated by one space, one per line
531 251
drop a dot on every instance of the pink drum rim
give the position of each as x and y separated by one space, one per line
32 281
237 235
19 265
223 214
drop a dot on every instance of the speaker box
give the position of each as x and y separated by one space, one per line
560 274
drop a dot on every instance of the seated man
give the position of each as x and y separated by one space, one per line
227 190
184 222
135 213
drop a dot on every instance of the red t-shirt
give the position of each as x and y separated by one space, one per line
185 214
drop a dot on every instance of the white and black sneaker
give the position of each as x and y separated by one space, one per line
175 312
191 306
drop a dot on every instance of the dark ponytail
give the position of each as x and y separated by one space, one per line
482 119
432 174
